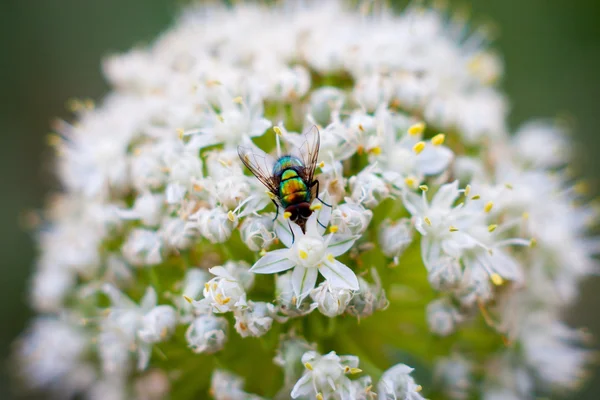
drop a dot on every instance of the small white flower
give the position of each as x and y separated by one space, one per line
255 320
143 247
49 287
287 301
223 292
207 334
442 317
213 224
148 208
257 232
395 236
158 324
369 297
326 376
331 301
368 188
324 101
225 385
397 384
453 375
193 285
310 254
541 145
351 218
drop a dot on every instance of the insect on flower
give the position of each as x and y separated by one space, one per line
289 178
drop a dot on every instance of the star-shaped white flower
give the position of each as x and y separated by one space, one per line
308 254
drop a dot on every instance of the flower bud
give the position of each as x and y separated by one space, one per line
351 218
444 273
395 236
207 334
254 320
143 247
158 324
442 317
453 376
225 385
368 299
331 301
257 232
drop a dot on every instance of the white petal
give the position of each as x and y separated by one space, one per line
283 232
303 281
149 300
339 244
413 203
221 272
303 387
434 159
323 214
338 275
272 262
445 196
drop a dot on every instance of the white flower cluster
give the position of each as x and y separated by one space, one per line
161 239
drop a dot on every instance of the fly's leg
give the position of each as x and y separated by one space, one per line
316 182
276 210
292 231
319 222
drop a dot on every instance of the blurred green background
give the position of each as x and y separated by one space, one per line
51 51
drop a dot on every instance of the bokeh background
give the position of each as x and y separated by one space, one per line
51 51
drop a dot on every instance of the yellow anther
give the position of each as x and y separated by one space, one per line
410 182
213 82
453 229
419 147
333 228
221 300
496 279
238 100
467 190
316 206
492 227
277 130
424 188
180 133
89 104
376 150
287 214
303 255
581 187
196 187
427 221
270 194
263 252
321 164
308 366
476 197
188 299
532 242
207 286
525 215
488 206
319 396
361 127
416 129
508 186
220 118
231 216
438 139
418 388
330 258
355 370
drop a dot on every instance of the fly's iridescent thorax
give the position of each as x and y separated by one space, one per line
286 162
292 188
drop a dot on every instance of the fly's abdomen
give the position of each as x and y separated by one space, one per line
292 189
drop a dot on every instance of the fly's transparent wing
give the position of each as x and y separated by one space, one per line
308 152
261 165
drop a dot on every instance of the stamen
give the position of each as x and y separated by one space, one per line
418 388
476 197
467 190
496 279
238 100
488 206
287 214
321 164
308 366
180 133
319 396
453 229
188 299
316 206
376 150
419 147
355 371
424 188
410 182
492 227
330 257
231 216
438 139
263 252
333 228
416 129
303 255
427 221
